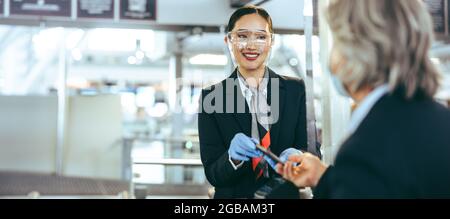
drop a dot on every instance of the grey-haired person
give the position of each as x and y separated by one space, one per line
398 143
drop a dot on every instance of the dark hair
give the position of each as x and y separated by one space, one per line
249 9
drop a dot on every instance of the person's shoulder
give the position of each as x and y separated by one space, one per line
209 88
230 80
440 109
424 106
212 87
440 113
393 112
292 82
290 79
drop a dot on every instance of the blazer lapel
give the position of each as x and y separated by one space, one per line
244 119
275 128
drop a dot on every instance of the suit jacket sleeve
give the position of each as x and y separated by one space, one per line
355 175
214 152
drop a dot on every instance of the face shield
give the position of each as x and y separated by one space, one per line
245 39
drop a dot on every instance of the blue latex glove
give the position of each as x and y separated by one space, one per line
271 162
243 148
283 157
288 152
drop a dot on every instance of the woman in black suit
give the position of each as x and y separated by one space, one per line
252 106
399 142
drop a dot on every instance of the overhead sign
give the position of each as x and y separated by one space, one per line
60 8
95 9
173 15
138 9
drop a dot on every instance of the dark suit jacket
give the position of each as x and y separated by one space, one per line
400 150
216 130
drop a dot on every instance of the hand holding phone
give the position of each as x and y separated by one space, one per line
269 153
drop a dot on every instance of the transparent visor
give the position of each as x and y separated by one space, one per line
245 38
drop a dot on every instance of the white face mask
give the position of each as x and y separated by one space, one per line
337 83
339 86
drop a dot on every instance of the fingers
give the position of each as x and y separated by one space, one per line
288 152
243 148
254 140
296 158
238 156
302 175
288 170
250 152
290 173
248 147
284 157
241 151
270 161
245 152
293 172
296 169
279 169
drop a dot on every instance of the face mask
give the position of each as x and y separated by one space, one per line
337 83
339 86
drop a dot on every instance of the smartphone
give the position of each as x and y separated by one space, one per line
269 153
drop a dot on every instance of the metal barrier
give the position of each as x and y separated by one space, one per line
170 190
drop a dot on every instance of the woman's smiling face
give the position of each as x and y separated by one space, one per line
250 41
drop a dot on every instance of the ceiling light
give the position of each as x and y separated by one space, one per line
436 61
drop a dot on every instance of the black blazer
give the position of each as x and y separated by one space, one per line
216 130
400 150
